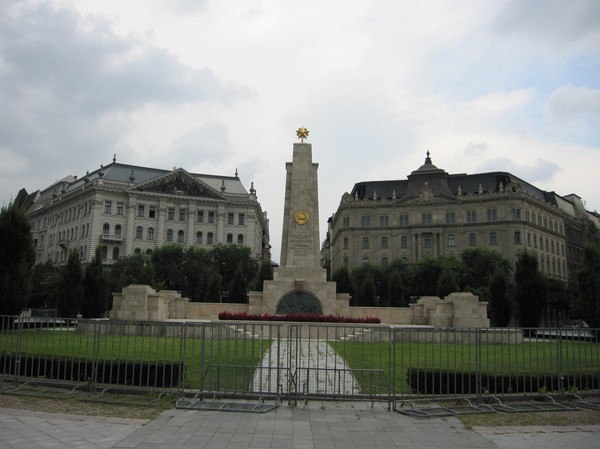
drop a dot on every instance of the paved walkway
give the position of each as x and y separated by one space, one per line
319 425
304 366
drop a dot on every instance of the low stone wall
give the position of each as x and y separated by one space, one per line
458 310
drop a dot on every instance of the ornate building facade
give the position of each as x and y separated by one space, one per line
130 209
433 213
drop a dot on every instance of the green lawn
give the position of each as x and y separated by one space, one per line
208 363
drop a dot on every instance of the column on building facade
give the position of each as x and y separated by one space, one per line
220 223
415 250
190 223
130 231
160 230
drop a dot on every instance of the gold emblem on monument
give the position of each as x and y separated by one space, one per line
301 217
302 133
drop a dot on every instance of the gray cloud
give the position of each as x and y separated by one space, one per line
209 141
68 85
474 148
567 101
541 171
551 21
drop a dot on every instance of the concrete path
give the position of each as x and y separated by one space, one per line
317 425
304 366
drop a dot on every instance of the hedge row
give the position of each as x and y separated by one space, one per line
301 317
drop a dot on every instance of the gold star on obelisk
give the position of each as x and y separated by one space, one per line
302 133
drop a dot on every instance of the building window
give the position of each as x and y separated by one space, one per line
115 253
345 242
118 230
534 240
150 233
365 242
384 262
518 237
230 218
106 229
170 235
119 208
365 220
404 241
346 222
180 236
138 251
493 240
426 219
200 216
139 232
171 214
199 238
104 253
211 217
515 214
450 218
427 241
451 241
471 216
384 221
240 239
241 219
209 238
384 242
149 252
528 239
152 212
346 261
404 220
472 239
108 207
140 211
181 214
492 215
229 238
365 261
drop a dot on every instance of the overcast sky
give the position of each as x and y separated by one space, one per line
215 86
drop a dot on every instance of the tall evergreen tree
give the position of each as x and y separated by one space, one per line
265 273
396 289
70 286
530 290
17 256
367 295
342 279
237 288
500 309
213 287
95 288
589 287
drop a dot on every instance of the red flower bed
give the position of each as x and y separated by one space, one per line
301 317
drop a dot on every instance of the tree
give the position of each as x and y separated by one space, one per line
265 273
213 287
479 266
95 288
237 288
530 286
133 269
500 310
426 273
342 279
446 283
226 259
17 256
43 286
397 289
367 293
167 262
70 286
589 287
369 276
196 264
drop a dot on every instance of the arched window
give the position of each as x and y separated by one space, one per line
118 230
106 229
170 235
138 251
346 261
139 232
104 252
199 238
240 239
209 238
150 233
365 261
115 253
148 252
229 238
180 236
384 262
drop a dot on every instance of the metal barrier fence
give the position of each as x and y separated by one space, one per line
292 361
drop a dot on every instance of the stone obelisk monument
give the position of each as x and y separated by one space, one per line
299 284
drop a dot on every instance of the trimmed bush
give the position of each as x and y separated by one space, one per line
299 317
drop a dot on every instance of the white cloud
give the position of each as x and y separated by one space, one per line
568 101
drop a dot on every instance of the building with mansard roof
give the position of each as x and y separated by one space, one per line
433 213
130 209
